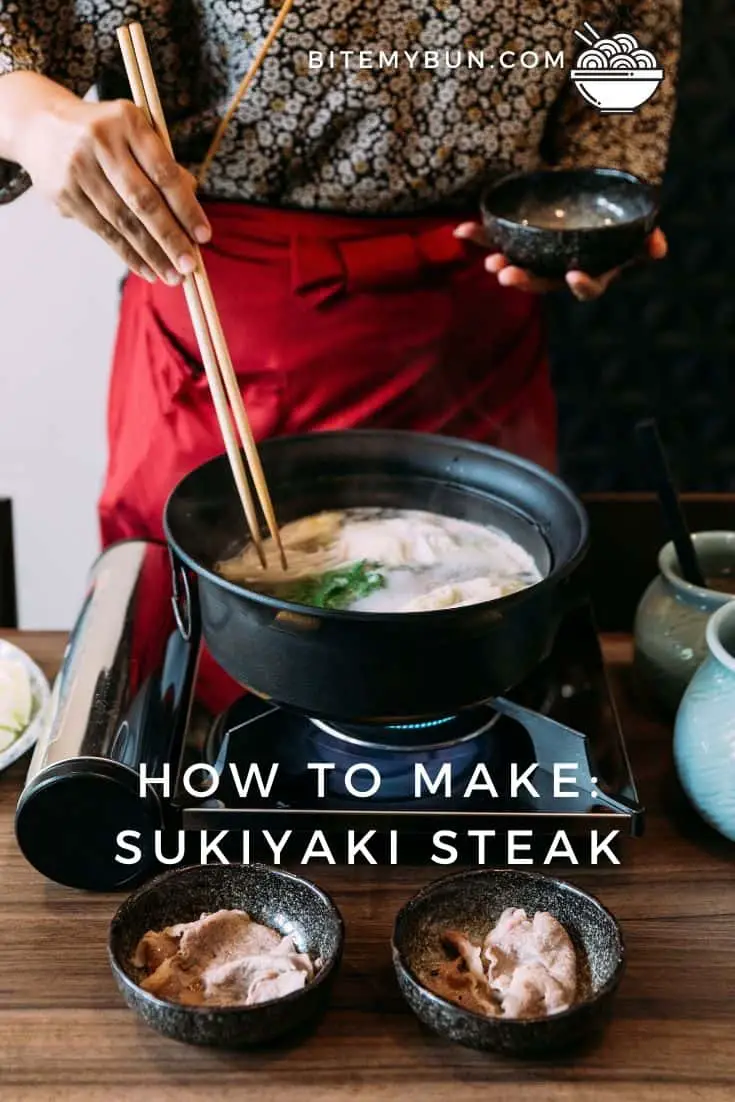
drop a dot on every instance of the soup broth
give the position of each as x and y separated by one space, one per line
386 560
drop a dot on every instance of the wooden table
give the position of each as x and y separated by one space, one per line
65 1034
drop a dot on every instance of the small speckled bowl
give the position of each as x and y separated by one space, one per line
552 222
472 902
285 902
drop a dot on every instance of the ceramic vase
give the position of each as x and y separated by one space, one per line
704 734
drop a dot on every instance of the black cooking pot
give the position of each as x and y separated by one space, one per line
388 667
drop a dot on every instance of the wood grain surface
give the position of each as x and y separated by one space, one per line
66 1035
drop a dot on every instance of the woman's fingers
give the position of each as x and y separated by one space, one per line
511 276
78 206
472 231
521 280
508 275
174 183
495 263
148 210
586 288
156 191
113 209
146 205
658 246
582 286
518 278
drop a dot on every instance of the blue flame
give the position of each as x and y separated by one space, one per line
420 726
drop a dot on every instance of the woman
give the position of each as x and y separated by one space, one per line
338 208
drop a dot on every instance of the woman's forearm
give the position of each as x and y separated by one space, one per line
26 100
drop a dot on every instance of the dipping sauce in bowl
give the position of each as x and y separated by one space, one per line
723 583
573 214
555 221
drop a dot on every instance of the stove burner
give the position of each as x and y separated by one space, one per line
448 731
563 712
469 744
253 733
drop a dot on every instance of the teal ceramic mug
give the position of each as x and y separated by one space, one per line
704 734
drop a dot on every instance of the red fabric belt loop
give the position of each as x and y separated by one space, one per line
317 270
381 262
322 269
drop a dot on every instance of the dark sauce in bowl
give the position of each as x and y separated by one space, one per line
722 583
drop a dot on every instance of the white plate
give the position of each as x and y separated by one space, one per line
41 691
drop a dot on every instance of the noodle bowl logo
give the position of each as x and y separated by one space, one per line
614 74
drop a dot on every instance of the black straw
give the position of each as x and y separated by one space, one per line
658 469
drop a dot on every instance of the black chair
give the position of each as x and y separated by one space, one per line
8 598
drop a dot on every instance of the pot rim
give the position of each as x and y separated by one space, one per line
713 635
668 560
611 174
495 607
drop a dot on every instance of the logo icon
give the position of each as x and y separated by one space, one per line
614 74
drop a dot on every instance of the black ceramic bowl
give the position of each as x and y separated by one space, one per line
285 902
472 902
556 221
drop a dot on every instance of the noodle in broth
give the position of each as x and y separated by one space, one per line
386 560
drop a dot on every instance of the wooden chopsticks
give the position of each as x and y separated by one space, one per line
205 319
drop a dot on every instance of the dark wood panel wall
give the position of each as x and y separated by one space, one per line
662 341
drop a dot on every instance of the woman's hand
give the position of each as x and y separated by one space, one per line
103 164
583 287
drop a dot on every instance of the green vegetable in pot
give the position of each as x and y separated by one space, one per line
336 589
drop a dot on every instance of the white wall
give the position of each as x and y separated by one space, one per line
58 302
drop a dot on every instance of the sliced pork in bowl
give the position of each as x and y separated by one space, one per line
226 955
508 961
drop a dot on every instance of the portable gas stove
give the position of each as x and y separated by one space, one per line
445 791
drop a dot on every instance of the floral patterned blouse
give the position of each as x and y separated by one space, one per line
391 129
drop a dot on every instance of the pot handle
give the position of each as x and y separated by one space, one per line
185 599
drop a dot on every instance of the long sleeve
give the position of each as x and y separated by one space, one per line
578 135
58 38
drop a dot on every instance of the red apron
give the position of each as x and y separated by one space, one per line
333 323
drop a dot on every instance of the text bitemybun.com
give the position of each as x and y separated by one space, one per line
441 60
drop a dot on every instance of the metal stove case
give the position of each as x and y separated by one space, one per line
122 698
